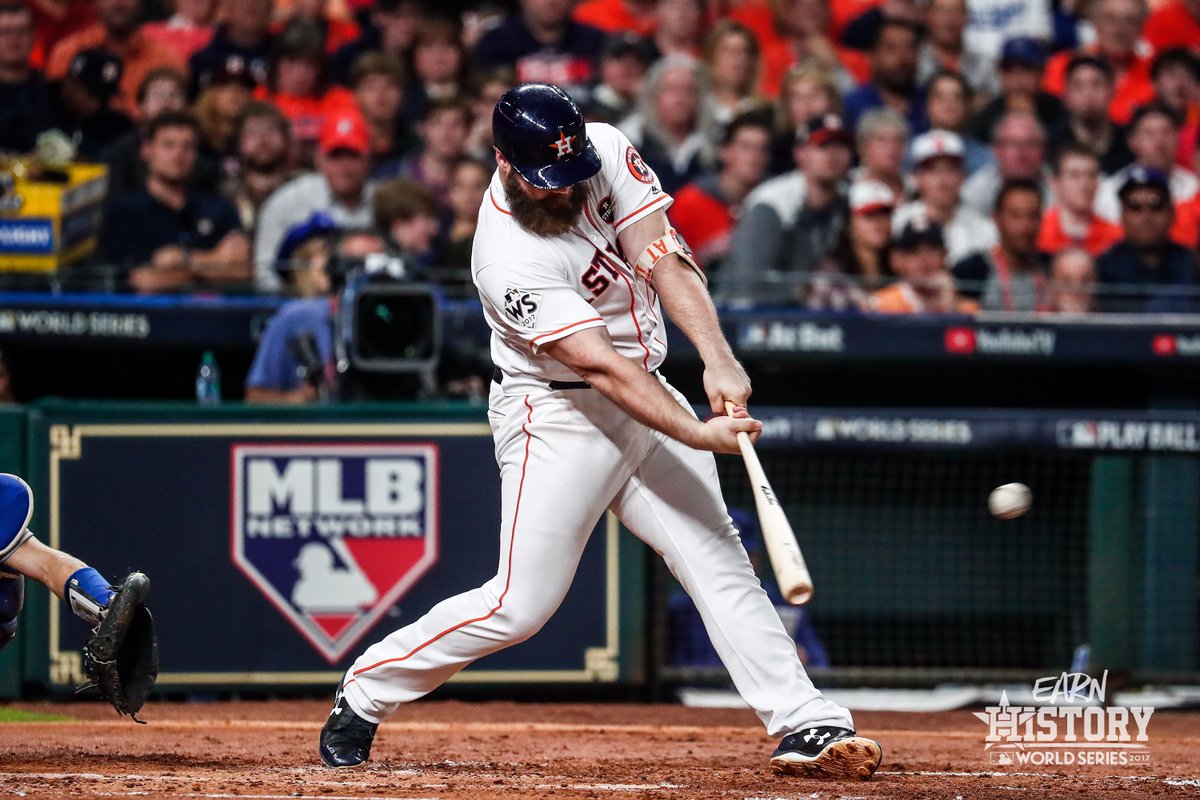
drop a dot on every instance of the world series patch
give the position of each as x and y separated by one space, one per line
521 307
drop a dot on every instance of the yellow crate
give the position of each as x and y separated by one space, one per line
45 225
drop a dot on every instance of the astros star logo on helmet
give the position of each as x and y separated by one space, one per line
564 145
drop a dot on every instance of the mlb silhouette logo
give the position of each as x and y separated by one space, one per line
334 534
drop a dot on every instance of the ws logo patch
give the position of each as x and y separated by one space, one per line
334 534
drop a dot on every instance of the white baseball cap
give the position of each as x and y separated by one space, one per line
935 144
867 196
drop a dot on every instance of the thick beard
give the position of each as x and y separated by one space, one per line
550 216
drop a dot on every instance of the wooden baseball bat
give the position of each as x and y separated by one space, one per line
791 573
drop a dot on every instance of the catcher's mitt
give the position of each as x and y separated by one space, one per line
121 657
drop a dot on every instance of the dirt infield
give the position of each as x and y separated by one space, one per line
264 751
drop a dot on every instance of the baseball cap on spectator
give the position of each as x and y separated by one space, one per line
620 45
319 225
867 197
233 69
98 71
1146 178
1024 51
937 144
345 130
824 129
918 232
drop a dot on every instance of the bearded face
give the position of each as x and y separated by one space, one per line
552 215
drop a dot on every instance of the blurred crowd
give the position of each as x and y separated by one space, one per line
895 156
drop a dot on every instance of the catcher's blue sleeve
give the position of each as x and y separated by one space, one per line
16 509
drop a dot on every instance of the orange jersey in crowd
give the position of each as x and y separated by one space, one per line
1101 235
704 222
307 113
1186 228
1172 25
1133 82
900 298
140 54
613 16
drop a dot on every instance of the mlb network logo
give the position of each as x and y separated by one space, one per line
334 534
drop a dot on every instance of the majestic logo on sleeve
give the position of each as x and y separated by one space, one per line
564 145
334 534
637 167
521 307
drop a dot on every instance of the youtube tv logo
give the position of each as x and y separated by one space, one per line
960 341
1164 344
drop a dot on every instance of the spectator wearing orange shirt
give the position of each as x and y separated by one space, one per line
925 285
1118 25
187 30
298 85
119 32
706 210
1174 24
803 28
617 16
1072 221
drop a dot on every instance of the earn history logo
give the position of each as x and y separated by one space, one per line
334 534
1071 726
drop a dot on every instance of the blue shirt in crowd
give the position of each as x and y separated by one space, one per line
274 365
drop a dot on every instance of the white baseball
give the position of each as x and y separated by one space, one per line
1010 500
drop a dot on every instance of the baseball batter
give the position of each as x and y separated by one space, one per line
575 262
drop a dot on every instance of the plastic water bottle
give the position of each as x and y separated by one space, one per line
208 380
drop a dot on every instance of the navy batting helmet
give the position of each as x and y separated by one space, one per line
540 130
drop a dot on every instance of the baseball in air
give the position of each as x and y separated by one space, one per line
1010 500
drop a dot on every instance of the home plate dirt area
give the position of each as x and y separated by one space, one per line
451 749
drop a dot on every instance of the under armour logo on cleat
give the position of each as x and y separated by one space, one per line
813 736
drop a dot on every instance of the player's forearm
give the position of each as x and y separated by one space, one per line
687 302
641 396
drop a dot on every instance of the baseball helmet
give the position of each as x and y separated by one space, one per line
540 130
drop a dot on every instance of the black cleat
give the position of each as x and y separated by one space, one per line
346 738
827 753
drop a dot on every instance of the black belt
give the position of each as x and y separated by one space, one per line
555 386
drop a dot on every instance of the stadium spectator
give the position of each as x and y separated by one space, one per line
1011 274
1118 25
298 85
1072 287
948 98
340 188
488 88
618 16
882 139
330 20
274 375
1146 271
243 37
224 94
808 91
167 235
1021 63
1174 23
732 57
163 90
991 23
1087 95
1176 76
801 36
439 67
118 31
945 50
893 81
706 210
938 172
188 29
543 43
468 182
81 103
1072 222
678 28
790 224
378 82
263 145
1019 148
861 258
25 103
406 213
1153 133
674 128
443 133
623 66
391 28
924 285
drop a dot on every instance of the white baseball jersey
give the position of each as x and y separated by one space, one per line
538 289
